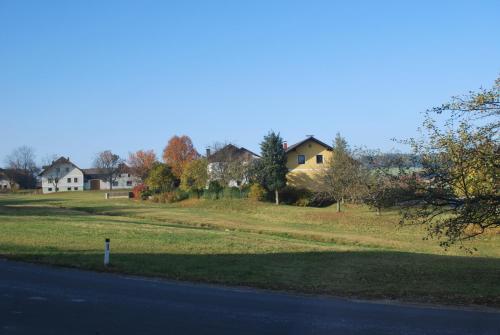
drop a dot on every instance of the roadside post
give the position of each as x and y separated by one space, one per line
106 252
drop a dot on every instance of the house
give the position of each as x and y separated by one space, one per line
6 183
97 179
306 161
63 175
227 165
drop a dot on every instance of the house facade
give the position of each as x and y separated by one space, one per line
64 176
306 162
5 183
225 164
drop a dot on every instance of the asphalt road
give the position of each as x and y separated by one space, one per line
37 299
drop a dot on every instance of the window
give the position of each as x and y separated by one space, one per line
319 159
50 180
50 189
69 180
301 159
115 183
67 169
75 188
69 188
75 180
129 183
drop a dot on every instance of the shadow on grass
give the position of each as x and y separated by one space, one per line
53 207
367 274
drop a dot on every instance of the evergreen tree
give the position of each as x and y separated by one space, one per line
273 163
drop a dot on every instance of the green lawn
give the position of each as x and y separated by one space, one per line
314 250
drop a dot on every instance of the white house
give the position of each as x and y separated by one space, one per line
64 176
5 183
220 161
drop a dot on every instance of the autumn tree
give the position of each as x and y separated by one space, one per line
458 195
161 178
178 152
195 176
141 162
109 164
272 164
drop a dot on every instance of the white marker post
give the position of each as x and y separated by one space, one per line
106 252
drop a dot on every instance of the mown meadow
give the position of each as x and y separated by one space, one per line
354 253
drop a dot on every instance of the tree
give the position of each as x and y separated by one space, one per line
272 164
228 164
195 176
109 164
161 178
23 168
178 152
343 172
48 159
458 193
141 162
386 178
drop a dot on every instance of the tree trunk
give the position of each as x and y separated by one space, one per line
378 210
111 183
338 205
276 196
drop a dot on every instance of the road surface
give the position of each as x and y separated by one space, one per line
37 299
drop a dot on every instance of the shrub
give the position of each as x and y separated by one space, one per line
295 196
302 197
231 193
170 197
140 191
214 190
257 192
321 199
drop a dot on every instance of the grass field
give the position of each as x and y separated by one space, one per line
239 242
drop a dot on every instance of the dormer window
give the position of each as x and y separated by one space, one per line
301 159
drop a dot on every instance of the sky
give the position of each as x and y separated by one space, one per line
79 77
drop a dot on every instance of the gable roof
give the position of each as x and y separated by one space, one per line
99 172
231 151
310 138
60 160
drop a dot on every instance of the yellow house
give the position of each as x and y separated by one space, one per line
306 161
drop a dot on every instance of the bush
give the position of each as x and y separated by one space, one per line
214 190
231 193
321 199
141 191
302 197
291 195
257 192
170 197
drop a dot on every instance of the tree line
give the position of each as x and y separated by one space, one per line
449 182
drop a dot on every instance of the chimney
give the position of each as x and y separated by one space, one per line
285 145
208 152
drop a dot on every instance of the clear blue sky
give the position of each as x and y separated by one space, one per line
78 77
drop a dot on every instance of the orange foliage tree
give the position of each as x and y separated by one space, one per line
178 152
141 162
